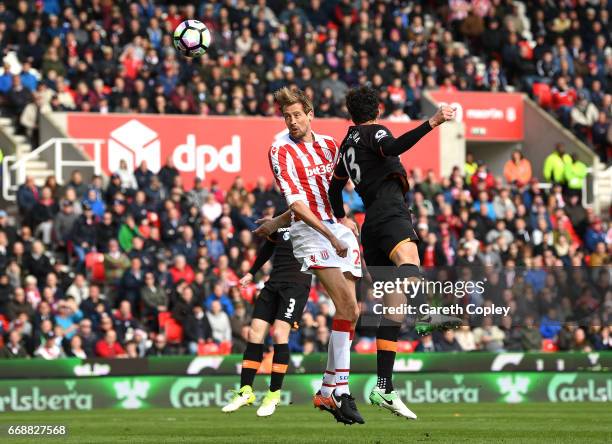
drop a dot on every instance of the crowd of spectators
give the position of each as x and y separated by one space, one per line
105 56
94 268
117 269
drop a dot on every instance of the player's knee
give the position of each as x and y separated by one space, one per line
280 337
350 311
256 335
407 253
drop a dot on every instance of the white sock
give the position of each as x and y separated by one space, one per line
342 358
329 377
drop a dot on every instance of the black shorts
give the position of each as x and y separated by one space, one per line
284 301
388 223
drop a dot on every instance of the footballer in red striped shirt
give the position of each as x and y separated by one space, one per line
303 163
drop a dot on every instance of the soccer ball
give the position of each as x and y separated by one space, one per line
192 38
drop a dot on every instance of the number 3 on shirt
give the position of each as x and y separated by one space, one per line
351 166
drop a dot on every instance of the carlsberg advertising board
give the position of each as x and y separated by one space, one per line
214 391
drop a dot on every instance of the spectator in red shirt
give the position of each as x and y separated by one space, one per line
181 271
482 176
563 99
109 347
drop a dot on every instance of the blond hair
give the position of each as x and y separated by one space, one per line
286 97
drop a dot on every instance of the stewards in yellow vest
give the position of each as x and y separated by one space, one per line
575 172
554 165
470 167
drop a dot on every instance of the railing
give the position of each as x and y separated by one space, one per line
10 164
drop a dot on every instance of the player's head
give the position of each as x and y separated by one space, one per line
297 111
362 104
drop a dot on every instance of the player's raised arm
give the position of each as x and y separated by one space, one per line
390 146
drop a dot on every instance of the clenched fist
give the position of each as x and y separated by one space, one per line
444 114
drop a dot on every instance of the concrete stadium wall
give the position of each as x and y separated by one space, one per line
452 147
54 125
542 132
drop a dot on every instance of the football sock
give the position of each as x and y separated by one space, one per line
386 348
329 377
251 361
280 361
341 339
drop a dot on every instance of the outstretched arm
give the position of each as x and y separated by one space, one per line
390 146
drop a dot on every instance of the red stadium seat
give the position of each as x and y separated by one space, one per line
94 263
162 317
405 346
548 345
225 348
5 323
208 348
174 331
543 94
366 346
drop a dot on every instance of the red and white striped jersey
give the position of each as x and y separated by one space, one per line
303 171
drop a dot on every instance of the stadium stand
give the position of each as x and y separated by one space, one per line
74 260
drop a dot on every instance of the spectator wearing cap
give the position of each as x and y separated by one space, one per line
517 170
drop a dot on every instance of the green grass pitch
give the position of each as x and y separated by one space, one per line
499 423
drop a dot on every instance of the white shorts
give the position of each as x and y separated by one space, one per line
313 250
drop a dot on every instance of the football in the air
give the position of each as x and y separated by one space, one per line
192 38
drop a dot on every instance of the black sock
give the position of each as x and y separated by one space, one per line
386 347
251 361
280 361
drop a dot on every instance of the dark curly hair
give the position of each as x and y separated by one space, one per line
362 104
